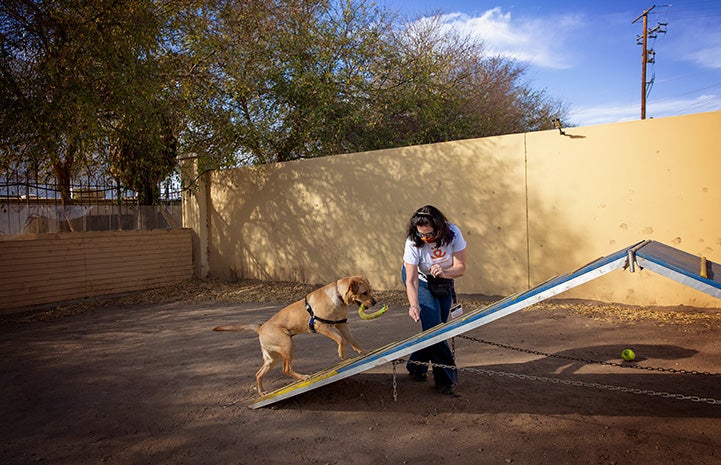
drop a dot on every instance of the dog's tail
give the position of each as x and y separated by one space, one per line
254 327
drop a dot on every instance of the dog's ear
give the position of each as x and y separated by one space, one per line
359 281
354 286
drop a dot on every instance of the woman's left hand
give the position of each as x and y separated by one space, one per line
435 271
414 312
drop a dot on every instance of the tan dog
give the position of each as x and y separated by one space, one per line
324 310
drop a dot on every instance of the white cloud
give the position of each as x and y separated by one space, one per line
602 114
708 57
540 42
697 42
700 104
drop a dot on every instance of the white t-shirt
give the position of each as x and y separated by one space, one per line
429 254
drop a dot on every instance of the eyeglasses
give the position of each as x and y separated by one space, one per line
429 235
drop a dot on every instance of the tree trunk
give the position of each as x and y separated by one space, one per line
62 169
63 178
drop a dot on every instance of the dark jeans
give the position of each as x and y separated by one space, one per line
434 311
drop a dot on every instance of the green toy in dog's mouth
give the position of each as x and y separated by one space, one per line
370 316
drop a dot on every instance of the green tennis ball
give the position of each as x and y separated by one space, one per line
628 355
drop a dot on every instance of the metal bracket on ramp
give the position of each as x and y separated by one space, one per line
691 270
652 255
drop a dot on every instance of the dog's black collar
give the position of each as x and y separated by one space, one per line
314 318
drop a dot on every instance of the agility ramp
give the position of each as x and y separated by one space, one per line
693 271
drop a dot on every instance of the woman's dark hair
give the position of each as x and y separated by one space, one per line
430 216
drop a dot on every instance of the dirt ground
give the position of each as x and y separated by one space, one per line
142 379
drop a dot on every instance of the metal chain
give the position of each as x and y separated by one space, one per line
608 387
589 361
395 380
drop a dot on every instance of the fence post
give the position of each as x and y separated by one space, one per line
196 195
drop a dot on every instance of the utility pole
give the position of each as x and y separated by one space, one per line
644 60
648 55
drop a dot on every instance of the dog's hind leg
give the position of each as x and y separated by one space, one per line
280 343
286 352
270 359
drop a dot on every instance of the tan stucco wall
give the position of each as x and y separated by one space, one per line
605 187
560 201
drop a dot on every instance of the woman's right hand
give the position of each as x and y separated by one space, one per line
414 312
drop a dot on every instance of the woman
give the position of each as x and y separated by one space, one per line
434 249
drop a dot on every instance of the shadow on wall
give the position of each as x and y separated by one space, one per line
316 220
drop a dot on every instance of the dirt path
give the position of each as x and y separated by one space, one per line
148 382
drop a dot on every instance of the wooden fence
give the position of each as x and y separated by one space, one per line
46 269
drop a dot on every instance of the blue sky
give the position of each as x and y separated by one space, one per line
584 52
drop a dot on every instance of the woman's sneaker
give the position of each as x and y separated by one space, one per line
447 390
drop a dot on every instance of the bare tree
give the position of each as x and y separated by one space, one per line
441 85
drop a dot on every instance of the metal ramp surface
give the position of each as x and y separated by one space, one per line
691 270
